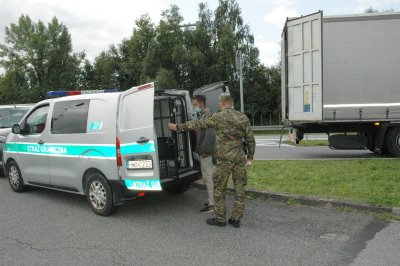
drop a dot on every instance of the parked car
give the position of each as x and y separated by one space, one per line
9 115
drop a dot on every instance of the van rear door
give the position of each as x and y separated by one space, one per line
136 149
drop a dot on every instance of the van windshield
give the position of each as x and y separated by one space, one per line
11 116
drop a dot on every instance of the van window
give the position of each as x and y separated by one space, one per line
36 121
70 117
134 112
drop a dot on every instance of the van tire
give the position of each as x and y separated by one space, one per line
99 195
15 178
392 142
178 188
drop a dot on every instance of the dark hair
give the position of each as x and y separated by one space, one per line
200 98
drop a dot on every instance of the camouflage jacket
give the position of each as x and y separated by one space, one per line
232 128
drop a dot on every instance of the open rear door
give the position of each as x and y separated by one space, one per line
284 82
138 159
304 68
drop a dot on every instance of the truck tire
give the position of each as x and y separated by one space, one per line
15 178
392 141
178 188
99 195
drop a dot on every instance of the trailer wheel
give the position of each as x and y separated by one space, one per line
392 141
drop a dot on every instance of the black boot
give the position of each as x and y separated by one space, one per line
234 223
215 222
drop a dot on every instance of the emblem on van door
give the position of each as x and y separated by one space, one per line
96 125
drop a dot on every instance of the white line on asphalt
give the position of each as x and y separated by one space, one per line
270 143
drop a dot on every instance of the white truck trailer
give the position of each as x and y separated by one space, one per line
341 74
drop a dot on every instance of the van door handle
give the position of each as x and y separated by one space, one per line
41 142
142 140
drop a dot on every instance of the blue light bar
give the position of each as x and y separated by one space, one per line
55 94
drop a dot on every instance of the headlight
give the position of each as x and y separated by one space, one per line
2 139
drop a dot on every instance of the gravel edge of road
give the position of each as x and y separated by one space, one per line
309 201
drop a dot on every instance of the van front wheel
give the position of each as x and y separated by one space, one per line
15 177
99 195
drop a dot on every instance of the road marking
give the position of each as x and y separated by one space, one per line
274 142
270 143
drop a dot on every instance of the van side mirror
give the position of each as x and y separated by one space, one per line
16 129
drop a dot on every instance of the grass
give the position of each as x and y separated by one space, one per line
308 143
371 181
292 202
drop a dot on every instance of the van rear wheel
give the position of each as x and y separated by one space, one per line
15 177
99 195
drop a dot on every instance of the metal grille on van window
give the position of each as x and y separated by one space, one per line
169 159
182 136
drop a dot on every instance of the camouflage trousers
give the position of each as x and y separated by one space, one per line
221 176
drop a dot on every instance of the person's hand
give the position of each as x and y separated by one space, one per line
172 127
249 162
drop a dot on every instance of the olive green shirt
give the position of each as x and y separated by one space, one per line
232 128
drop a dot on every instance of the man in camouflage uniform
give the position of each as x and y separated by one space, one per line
232 128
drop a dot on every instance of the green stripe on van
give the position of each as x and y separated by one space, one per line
137 148
78 150
62 150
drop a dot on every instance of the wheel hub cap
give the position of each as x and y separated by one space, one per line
13 176
97 195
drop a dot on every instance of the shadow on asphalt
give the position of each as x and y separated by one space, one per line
153 203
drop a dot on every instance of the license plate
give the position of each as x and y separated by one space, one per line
143 185
140 164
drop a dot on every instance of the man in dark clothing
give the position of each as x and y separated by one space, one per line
205 148
232 128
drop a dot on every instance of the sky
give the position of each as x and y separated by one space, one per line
96 24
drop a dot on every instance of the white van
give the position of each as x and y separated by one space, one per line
110 147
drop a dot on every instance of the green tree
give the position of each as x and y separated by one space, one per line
12 87
370 10
165 79
39 58
89 79
189 57
168 51
134 50
107 68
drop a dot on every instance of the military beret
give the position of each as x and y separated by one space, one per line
225 97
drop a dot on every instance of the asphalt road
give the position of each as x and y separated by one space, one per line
268 149
43 227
